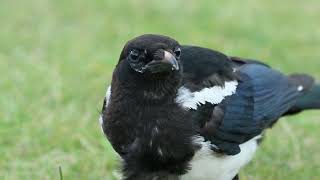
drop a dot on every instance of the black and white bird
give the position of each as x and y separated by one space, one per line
184 112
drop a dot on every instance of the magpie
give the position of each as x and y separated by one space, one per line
186 112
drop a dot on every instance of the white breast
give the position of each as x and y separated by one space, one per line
206 164
107 98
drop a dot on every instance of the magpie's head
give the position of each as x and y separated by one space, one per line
152 56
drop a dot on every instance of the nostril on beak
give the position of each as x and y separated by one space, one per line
158 55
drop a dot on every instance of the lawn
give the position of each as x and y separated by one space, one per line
57 56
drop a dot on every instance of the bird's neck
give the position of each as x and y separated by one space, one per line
148 91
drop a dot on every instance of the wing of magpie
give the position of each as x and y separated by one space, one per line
262 96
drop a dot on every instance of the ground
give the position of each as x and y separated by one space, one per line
57 56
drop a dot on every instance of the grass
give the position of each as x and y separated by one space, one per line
56 59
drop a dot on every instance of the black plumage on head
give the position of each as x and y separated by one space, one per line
150 72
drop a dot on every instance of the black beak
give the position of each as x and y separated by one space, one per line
167 64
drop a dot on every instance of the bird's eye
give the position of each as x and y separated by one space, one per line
177 52
134 54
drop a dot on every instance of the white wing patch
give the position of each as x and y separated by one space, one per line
213 95
206 164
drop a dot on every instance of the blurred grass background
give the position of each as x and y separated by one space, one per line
57 56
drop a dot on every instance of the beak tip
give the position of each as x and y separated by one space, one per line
172 60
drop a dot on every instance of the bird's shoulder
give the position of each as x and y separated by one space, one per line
203 67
